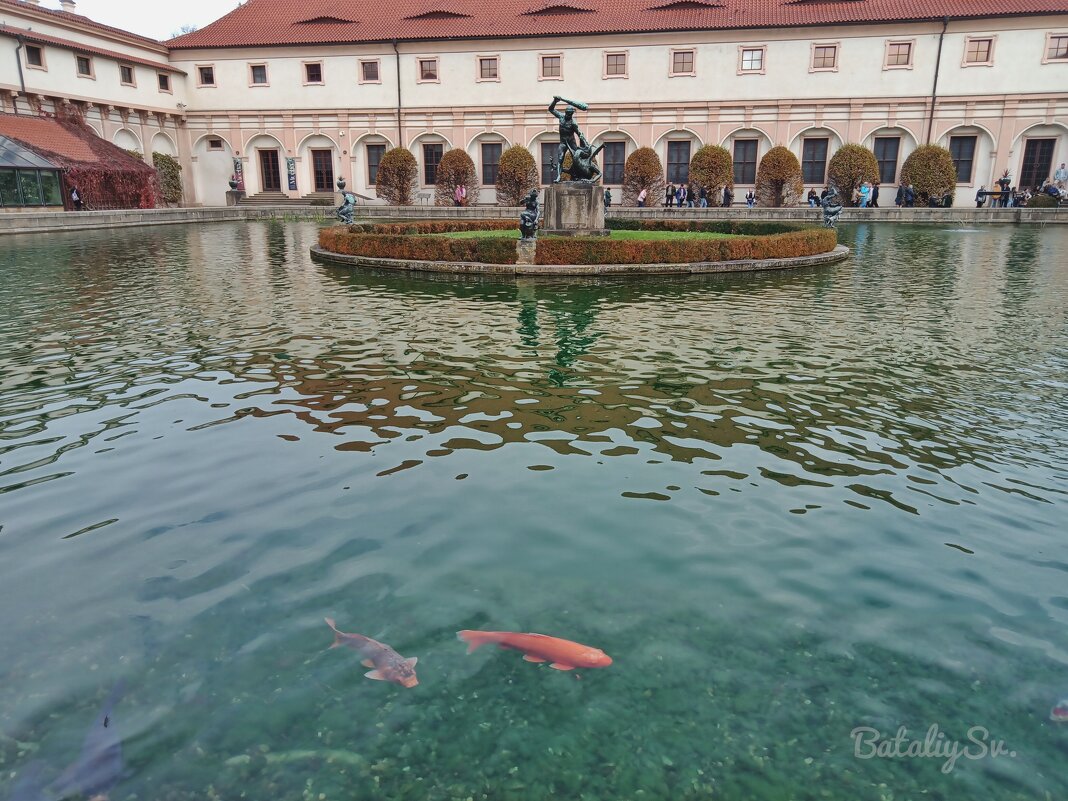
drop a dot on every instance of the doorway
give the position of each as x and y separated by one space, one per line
270 177
1037 162
323 170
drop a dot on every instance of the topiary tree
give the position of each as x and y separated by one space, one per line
517 175
849 167
712 168
455 168
170 176
643 170
931 171
778 179
397 174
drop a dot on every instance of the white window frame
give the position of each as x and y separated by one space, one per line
1045 50
743 49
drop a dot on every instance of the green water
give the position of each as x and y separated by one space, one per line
787 505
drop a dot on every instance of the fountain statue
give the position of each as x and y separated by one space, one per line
528 219
832 207
347 208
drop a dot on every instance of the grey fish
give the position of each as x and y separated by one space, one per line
99 766
385 663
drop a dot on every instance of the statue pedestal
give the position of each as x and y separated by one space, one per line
234 196
525 251
574 208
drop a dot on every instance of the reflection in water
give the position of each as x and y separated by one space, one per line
788 505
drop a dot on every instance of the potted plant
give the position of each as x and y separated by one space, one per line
341 184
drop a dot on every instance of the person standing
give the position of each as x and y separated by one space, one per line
864 194
703 198
875 195
750 198
980 197
910 196
728 197
641 197
75 198
1061 177
607 198
899 200
460 195
680 196
669 197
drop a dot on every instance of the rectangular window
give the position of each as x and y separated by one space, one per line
215 144
824 57
615 157
34 56
431 159
1056 47
491 160
50 191
899 54
30 187
548 153
257 74
313 72
374 158
682 62
886 152
9 189
126 75
751 59
979 51
489 68
615 65
85 66
745 161
678 162
428 69
164 81
962 149
205 76
369 72
552 66
1037 162
814 160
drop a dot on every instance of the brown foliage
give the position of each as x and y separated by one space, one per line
850 166
456 167
931 171
397 174
712 168
517 175
778 180
643 170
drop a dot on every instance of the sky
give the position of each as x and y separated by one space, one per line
155 18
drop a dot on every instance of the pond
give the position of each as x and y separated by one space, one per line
799 511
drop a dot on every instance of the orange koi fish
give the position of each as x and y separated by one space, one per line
560 654
385 663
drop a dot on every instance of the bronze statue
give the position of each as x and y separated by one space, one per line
528 219
572 141
832 207
347 208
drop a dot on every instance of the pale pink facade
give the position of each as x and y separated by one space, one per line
1002 101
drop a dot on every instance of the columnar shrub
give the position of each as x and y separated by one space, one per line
455 168
643 170
517 175
170 176
851 166
712 168
931 171
778 179
397 174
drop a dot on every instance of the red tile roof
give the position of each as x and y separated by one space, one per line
78 47
78 20
66 143
285 22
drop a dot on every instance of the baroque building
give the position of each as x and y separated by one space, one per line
297 95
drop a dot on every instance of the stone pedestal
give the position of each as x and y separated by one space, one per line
574 208
525 251
233 196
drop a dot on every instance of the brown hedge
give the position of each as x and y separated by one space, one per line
402 241
455 168
849 167
643 170
397 174
778 179
931 171
517 175
712 168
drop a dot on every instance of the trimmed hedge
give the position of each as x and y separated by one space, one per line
601 250
735 227
417 241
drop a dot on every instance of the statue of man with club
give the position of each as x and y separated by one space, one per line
571 140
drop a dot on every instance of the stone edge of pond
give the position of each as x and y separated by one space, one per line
840 253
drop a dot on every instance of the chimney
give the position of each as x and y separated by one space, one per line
67 5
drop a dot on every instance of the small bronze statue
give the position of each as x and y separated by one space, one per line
832 207
528 219
572 141
347 208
